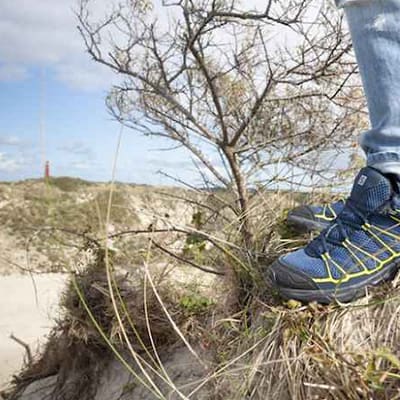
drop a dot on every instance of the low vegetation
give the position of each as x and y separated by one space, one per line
132 306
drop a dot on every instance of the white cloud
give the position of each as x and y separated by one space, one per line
10 164
164 163
40 31
82 165
77 148
43 33
10 141
85 75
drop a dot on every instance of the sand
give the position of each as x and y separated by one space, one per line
27 316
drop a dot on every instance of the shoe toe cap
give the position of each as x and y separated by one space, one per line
281 274
305 212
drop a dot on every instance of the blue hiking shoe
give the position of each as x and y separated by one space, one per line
314 218
360 248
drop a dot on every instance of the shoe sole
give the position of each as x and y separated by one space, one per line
304 225
342 295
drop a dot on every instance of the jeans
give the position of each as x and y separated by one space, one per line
375 31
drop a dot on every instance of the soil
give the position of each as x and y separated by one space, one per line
117 383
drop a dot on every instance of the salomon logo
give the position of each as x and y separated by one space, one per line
362 180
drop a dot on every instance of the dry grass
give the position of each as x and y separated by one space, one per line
294 352
314 352
56 218
262 349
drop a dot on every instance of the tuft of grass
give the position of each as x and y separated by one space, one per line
338 352
76 351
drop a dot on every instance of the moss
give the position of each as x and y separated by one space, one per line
195 304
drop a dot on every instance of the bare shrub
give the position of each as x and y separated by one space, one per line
222 81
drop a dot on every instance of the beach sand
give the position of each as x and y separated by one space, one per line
27 313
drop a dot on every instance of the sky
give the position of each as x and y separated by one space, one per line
47 79
52 104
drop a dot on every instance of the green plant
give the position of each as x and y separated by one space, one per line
195 304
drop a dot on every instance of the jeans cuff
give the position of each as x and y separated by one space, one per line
342 3
385 162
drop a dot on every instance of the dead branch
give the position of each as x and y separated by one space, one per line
25 346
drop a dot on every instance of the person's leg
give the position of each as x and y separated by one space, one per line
375 31
361 247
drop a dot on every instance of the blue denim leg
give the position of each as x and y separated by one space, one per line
341 3
375 31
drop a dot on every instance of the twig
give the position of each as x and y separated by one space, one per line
25 346
179 258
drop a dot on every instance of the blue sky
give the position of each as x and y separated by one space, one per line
42 61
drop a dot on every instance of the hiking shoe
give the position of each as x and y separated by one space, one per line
360 248
314 218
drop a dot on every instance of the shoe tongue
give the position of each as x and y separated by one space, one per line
371 190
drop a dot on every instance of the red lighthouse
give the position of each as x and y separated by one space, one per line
47 170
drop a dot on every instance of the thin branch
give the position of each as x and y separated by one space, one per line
25 346
186 261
